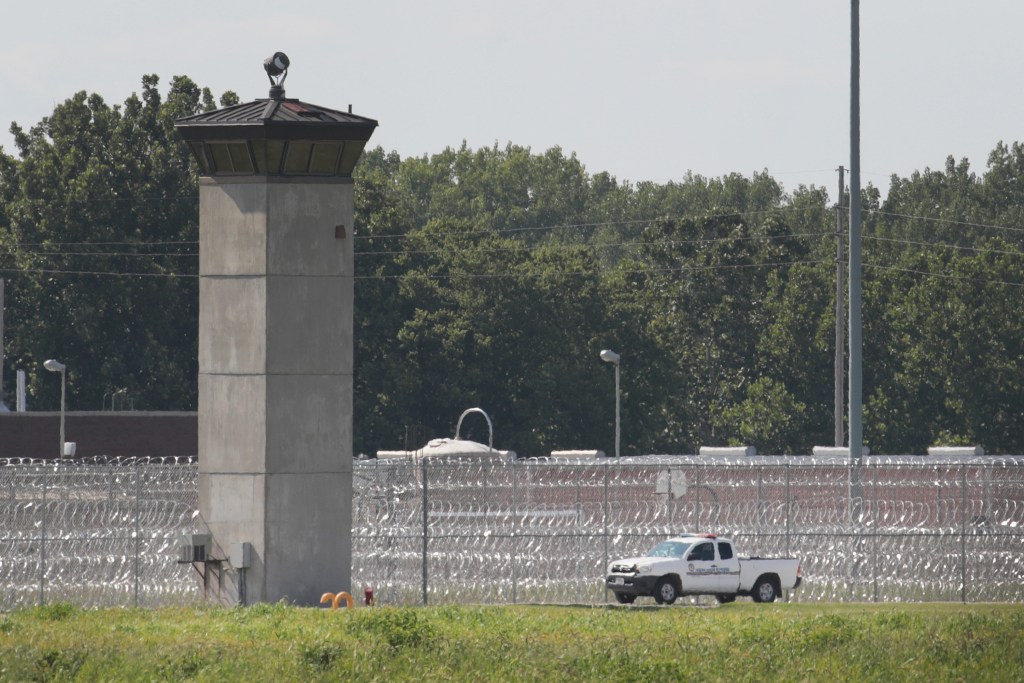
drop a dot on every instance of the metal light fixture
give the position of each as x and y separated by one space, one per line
276 67
609 356
57 366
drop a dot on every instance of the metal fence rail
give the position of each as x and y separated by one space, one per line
104 532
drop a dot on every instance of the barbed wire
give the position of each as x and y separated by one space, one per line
539 531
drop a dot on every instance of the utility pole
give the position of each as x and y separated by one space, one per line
856 411
840 375
855 407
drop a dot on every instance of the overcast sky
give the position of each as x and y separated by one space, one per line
643 90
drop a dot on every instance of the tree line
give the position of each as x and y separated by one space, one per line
494 277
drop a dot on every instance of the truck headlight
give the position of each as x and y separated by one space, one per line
642 568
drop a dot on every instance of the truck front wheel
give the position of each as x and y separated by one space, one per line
764 590
665 592
625 598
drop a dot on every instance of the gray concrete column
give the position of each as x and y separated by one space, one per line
275 383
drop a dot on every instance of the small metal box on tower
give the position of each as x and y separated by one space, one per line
241 555
194 548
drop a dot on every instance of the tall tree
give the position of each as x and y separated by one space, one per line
100 249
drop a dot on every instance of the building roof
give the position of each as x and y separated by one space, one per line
280 119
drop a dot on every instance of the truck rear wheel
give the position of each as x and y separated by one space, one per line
665 592
764 590
625 598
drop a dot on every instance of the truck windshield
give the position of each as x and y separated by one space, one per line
668 549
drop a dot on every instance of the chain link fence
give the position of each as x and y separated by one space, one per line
98 532
104 532
539 531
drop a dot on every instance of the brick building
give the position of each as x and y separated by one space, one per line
113 434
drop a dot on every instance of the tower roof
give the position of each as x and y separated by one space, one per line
276 136
276 119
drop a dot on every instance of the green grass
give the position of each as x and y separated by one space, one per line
739 642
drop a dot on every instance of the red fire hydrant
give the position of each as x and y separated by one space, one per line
368 595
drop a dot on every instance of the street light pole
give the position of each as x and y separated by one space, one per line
57 366
609 356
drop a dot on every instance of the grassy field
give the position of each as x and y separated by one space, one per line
738 642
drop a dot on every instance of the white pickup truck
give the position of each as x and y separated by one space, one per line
700 564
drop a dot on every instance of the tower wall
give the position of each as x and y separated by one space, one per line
275 383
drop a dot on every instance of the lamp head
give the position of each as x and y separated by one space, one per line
276 66
609 356
54 365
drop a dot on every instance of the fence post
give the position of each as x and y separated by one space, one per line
579 536
42 544
670 498
855 492
579 502
789 509
604 528
699 505
760 497
423 467
515 541
138 528
963 533
874 529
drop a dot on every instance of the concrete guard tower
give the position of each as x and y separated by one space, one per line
275 344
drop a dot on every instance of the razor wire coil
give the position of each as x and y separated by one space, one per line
103 531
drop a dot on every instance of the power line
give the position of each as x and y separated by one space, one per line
944 276
36 201
417 232
598 224
944 220
507 275
978 250
448 276
645 271
100 253
123 243
477 232
47 271
568 247
538 228
531 249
